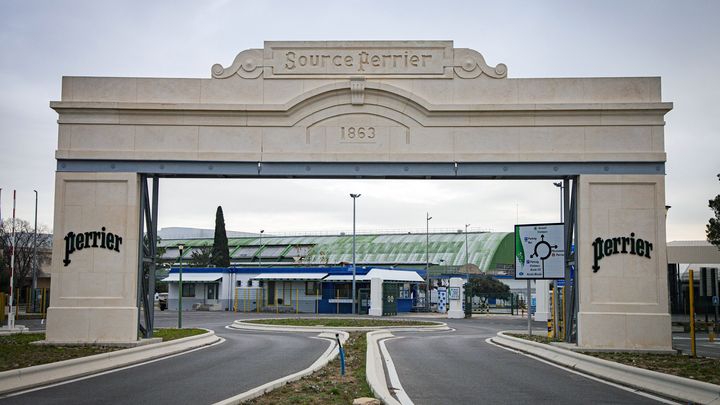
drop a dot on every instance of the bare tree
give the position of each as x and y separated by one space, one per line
24 244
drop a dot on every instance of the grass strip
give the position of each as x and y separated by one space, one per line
703 369
338 322
16 351
168 334
326 386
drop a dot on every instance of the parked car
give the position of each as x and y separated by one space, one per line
163 301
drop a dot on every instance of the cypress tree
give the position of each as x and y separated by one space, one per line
220 251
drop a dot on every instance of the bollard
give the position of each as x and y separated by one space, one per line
342 354
550 329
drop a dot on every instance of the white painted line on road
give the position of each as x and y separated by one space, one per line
622 387
221 340
396 386
330 353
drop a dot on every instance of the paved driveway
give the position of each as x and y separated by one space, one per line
461 368
246 360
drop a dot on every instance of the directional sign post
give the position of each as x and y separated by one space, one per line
539 251
539 255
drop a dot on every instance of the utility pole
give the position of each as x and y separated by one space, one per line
11 315
427 260
34 274
354 197
180 288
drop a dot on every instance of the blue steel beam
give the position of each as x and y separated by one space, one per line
449 170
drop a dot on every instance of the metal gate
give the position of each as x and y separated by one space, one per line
489 303
390 296
364 295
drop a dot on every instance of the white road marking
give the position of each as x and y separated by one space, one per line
222 340
396 386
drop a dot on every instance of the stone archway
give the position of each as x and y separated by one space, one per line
379 109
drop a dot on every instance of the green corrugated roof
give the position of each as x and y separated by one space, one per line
485 249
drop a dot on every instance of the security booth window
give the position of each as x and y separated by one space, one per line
343 290
312 288
188 290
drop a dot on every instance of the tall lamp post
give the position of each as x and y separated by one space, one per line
354 197
427 260
262 231
180 288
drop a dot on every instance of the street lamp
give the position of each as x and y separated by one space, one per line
261 245
427 260
180 288
354 197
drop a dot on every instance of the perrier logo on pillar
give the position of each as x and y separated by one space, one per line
93 239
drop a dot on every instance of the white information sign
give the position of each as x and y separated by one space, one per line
540 251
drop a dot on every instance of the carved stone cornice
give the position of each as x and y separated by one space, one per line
470 64
248 64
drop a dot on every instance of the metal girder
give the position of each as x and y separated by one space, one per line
446 170
147 249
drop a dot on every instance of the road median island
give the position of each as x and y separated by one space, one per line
599 364
322 383
66 362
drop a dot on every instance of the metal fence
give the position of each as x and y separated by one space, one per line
481 303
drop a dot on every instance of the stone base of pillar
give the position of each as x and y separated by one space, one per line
455 314
375 312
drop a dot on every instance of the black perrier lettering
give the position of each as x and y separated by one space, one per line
94 239
612 246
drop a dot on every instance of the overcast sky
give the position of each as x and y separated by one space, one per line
40 41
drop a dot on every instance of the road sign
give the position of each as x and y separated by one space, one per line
561 282
715 300
540 251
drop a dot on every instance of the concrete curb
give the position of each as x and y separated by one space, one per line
329 354
670 386
375 361
44 374
245 324
374 371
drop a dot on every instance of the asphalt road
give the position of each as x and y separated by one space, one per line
461 368
244 361
703 346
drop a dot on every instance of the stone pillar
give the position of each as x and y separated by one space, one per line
94 259
376 301
542 300
622 263
456 303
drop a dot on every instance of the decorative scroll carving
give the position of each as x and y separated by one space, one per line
469 64
357 90
247 64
